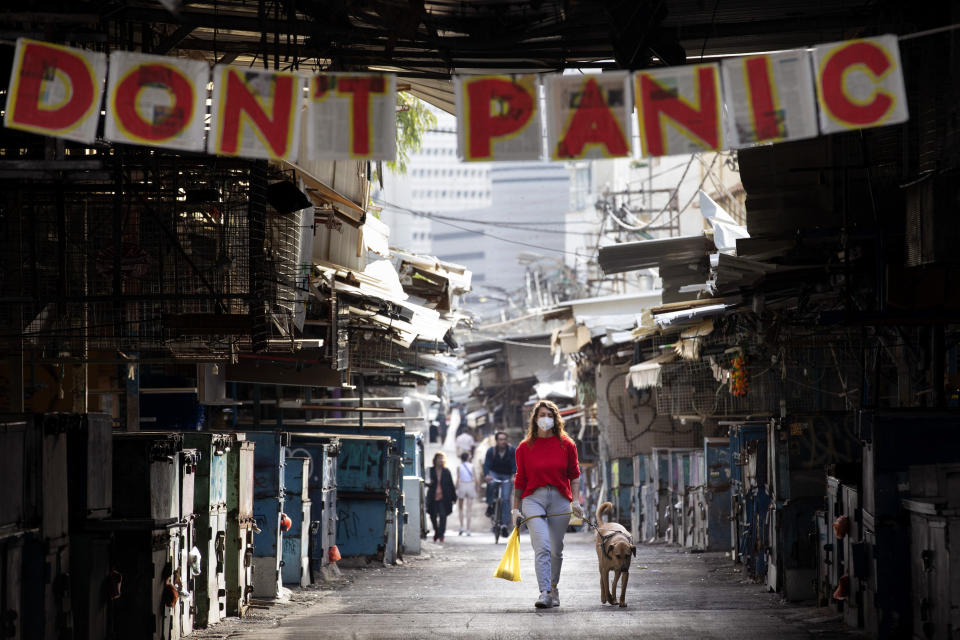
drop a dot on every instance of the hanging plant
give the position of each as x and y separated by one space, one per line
739 377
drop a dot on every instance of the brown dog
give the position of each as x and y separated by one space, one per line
615 549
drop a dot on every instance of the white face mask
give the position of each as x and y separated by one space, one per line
545 423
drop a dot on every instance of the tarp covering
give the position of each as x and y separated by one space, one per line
647 373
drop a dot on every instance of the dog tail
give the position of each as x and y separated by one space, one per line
606 506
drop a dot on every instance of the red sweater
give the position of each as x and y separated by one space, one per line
546 461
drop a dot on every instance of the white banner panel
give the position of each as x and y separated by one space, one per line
55 90
769 98
859 84
256 114
498 118
156 101
352 116
678 109
588 116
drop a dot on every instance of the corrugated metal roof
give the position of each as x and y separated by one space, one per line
644 254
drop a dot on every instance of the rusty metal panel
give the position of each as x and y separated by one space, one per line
15 504
11 580
185 540
146 475
269 457
55 522
91 585
238 559
56 590
714 518
93 440
296 541
245 470
210 505
146 559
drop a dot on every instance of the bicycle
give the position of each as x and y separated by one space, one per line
498 507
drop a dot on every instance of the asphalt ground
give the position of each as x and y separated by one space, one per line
449 591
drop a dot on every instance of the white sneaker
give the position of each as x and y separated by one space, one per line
555 597
544 601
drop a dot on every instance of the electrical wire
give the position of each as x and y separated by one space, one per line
424 214
673 195
501 223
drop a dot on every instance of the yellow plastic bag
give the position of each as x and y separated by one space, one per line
509 568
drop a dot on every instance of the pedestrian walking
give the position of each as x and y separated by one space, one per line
546 463
465 442
500 463
441 494
466 491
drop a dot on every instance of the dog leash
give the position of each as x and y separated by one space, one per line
551 515
544 515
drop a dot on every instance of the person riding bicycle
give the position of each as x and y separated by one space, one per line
500 464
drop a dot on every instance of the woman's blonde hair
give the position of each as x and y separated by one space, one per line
442 456
557 421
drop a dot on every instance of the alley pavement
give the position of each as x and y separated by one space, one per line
449 591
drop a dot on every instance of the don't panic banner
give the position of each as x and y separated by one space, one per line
161 101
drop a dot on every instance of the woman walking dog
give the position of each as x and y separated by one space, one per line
546 463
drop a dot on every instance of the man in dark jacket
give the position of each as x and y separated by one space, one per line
500 464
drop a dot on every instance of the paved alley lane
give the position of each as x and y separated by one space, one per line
452 594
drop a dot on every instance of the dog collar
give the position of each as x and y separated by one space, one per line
603 541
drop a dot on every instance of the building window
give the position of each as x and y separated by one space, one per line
458 257
580 188
455 235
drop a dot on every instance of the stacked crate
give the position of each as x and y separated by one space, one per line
713 506
295 568
149 545
366 515
90 496
637 512
657 499
894 441
750 500
268 462
415 522
210 526
238 565
934 509
322 450
20 549
621 493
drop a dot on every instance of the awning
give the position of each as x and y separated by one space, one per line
647 373
616 337
378 302
376 236
439 93
441 363
476 356
643 254
570 338
477 418
560 388
321 193
435 281
689 315
726 231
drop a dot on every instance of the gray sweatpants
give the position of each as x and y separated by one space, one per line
546 534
